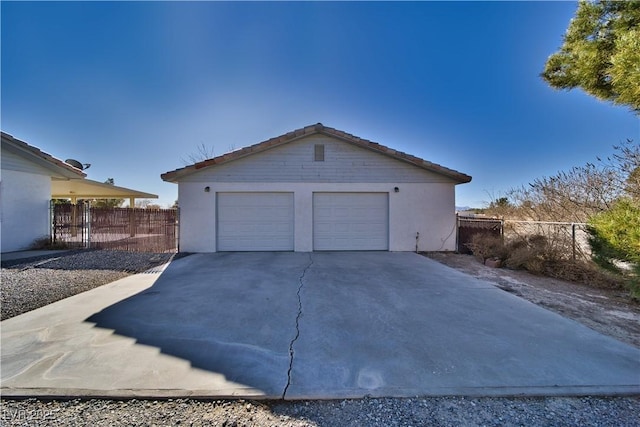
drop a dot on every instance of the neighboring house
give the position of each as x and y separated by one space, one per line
25 192
316 189
30 179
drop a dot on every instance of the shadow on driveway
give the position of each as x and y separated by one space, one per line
232 314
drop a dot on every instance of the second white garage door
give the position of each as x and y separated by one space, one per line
255 221
350 221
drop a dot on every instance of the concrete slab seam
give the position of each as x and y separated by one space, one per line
298 316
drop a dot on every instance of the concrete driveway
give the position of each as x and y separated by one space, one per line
297 325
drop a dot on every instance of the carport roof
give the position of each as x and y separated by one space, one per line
177 174
89 189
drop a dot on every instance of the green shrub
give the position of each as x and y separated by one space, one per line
614 237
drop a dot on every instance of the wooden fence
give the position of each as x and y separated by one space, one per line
468 227
128 229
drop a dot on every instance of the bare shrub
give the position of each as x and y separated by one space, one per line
523 256
578 194
44 242
485 246
542 255
585 272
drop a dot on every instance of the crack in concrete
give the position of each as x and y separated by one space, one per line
298 316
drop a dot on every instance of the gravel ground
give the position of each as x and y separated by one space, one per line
453 411
32 283
29 284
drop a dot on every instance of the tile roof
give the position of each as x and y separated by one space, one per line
319 128
37 154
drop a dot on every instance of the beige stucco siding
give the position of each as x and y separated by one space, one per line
423 205
428 209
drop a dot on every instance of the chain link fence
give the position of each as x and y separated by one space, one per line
570 238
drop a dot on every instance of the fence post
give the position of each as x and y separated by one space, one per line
132 222
52 222
177 229
457 232
573 240
87 209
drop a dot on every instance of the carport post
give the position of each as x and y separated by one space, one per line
132 217
74 217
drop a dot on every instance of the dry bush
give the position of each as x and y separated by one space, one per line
585 272
542 255
485 246
525 257
534 253
45 242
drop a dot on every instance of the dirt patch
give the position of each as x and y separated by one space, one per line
608 311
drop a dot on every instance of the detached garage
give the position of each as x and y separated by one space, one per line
316 189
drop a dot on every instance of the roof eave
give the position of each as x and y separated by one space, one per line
459 177
39 157
175 175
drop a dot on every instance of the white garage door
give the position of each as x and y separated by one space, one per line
350 221
255 221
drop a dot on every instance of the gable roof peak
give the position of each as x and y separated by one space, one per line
318 128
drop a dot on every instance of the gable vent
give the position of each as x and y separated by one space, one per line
319 153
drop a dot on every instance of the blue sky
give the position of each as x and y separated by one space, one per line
133 88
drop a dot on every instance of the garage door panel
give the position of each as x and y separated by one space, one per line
350 221
255 222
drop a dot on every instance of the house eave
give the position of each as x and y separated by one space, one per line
55 166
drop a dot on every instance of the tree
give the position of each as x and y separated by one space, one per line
600 53
108 203
500 207
147 204
614 236
583 191
201 154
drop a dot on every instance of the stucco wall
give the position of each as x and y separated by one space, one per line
294 162
24 208
425 208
